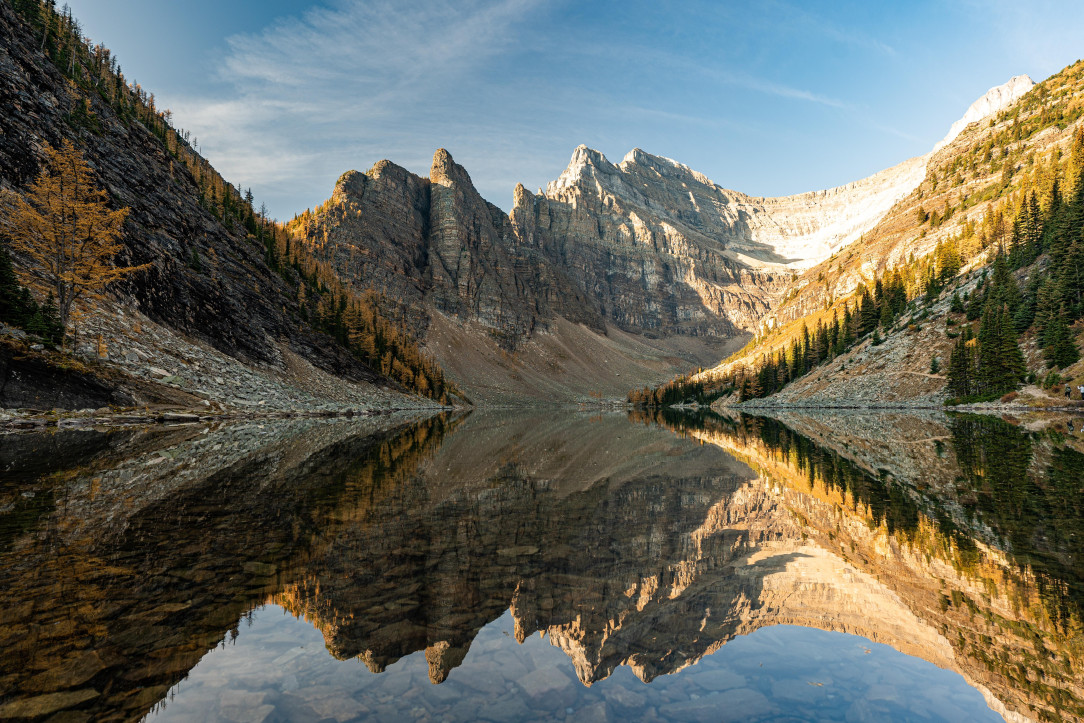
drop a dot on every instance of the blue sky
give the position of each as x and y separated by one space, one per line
769 98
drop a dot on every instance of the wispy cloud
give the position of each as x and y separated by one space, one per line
509 86
781 90
341 84
370 45
803 20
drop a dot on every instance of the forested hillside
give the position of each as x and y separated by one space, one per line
989 249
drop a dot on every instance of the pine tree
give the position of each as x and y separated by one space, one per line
848 327
962 366
1047 307
975 304
1025 314
1060 350
868 313
886 316
1003 288
1001 363
1071 275
12 303
1011 358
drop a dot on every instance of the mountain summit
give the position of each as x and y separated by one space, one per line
993 101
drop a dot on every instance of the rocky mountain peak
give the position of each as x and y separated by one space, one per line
521 197
993 101
584 162
664 167
443 169
351 185
639 155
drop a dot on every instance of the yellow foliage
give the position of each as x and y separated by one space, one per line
66 229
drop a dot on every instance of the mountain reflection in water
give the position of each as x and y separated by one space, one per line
635 546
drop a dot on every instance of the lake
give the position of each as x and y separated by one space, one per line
547 565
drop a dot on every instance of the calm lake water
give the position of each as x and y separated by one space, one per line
546 565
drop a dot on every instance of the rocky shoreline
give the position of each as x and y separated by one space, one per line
35 419
137 372
990 407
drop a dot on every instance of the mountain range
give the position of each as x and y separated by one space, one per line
646 247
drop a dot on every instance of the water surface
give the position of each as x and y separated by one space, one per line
546 566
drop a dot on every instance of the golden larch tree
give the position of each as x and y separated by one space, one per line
64 226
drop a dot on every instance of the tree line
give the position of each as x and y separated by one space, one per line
875 309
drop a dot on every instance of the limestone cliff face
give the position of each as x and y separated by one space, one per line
642 250
654 197
435 245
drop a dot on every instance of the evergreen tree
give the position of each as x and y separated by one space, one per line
1003 289
12 306
1025 314
1047 307
1001 363
975 304
797 360
835 336
868 313
1071 275
886 316
848 326
1060 350
962 366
